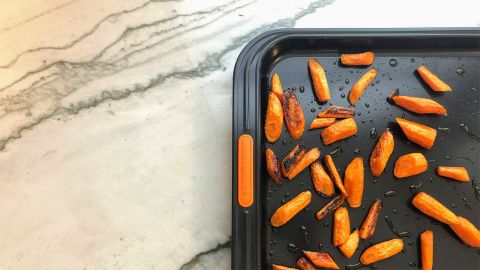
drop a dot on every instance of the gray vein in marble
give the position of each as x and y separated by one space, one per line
191 263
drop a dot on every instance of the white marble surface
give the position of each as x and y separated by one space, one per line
115 122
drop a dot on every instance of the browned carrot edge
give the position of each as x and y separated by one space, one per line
370 223
330 206
336 112
304 162
321 123
292 158
332 170
321 259
273 166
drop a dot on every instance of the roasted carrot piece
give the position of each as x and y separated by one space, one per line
292 158
279 267
432 80
277 87
321 181
273 118
332 170
467 232
304 264
433 208
341 226
339 130
330 206
370 222
321 259
353 182
456 173
419 105
381 153
426 247
321 122
337 112
410 164
361 85
319 80
293 113
381 251
349 247
304 162
287 211
418 133
357 59
273 166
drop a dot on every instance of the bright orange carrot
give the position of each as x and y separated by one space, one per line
304 264
466 231
293 113
337 112
426 245
381 153
332 170
349 247
273 166
353 182
456 173
418 133
319 80
357 59
341 226
381 251
419 105
287 211
410 164
321 259
277 87
339 130
304 162
361 85
433 208
370 222
292 158
432 80
330 206
321 122
321 181
273 118
279 267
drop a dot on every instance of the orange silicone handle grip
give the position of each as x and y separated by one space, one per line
245 170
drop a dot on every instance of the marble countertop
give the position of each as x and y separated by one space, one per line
115 122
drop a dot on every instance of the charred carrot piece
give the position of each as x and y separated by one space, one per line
287 211
357 59
456 173
432 80
293 113
418 133
467 232
321 259
433 208
381 153
321 123
370 222
332 170
292 158
361 85
418 105
426 247
350 246
330 206
381 251
319 80
279 267
277 87
321 181
353 182
273 166
341 226
337 112
339 130
410 164
273 118
304 162
304 264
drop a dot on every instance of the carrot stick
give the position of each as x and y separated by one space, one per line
287 211
426 245
353 182
277 87
419 105
339 130
321 259
467 232
279 267
381 153
273 118
361 85
410 164
319 80
321 123
304 264
321 181
330 206
351 245
293 113
341 226
273 166
456 173
381 251
332 170
418 133
357 59
433 208
292 158
370 222
304 162
432 80
337 112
